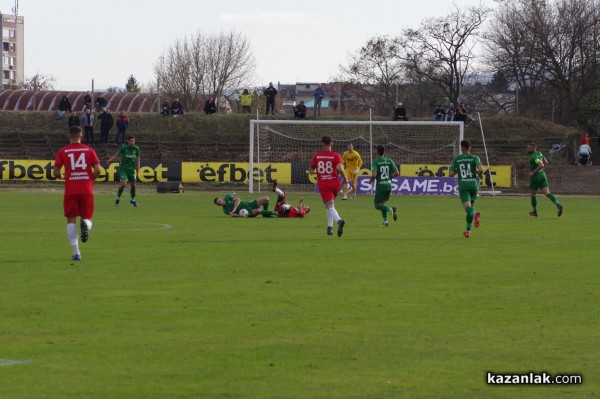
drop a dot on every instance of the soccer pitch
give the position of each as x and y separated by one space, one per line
176 300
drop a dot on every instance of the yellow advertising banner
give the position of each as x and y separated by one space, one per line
500 175
234 172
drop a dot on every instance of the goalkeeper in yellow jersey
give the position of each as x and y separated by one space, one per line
352 164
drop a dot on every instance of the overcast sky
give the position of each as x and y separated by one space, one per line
109 40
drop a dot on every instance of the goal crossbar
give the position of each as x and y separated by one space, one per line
293 141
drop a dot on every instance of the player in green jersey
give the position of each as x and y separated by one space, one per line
538 179
232 204
467 167
128 168
383 170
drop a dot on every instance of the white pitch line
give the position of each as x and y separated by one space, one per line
12 362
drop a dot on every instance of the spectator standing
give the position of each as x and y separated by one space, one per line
73 120
450 112
63 107
176 108
461 113
245 98
400 113
81 166
87 120
270 93
122 125
210 107
87 101
439 114
106 123
319 93
300 110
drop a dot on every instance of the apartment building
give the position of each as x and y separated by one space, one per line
13 71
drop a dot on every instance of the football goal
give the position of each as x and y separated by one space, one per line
282 149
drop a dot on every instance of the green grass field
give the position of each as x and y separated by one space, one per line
175 300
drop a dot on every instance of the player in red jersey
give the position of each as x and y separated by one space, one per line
81 169
328 166
285 210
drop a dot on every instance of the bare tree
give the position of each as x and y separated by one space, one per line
549 54
374 74
205 66
38 82
441 50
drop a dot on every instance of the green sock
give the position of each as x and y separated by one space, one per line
384 212
553 199
265 206
268 214
470 215
534 203
120 192
133 193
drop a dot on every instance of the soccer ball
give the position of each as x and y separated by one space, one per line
243 213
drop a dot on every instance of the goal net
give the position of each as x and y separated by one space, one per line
282 149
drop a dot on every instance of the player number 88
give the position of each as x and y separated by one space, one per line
324 168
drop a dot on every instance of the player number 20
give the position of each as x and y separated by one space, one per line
324 168
384 172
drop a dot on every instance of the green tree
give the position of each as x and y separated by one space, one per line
132 85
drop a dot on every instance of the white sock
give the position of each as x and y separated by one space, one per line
331 212
329 219
279 192
73 239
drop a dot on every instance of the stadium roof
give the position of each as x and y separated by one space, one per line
45 100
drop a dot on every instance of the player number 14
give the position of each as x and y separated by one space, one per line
80 163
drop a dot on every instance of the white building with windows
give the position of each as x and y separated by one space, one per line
13 70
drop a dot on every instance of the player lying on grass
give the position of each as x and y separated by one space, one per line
232 204
284 209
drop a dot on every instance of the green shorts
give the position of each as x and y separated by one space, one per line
538 181
249 206
467 195
382 196
128 175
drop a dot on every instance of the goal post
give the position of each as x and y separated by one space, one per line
282 149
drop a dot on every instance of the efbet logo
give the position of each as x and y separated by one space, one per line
425 171
231 172
236 172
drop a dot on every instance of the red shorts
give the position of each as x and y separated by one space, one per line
329 190
79 205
